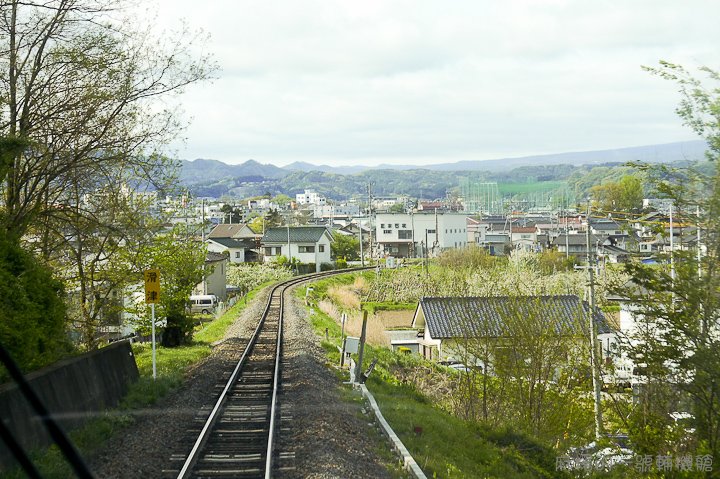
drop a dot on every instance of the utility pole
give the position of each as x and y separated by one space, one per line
672 246
370 244
567 239
699 254
595 365
288 238
362 257
412 227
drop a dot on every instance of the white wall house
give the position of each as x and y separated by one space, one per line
407 235
238 250
307 244
215 280
310 197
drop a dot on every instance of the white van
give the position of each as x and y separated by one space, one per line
203 303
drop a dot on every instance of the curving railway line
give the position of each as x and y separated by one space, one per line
237 437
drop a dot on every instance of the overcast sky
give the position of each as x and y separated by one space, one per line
420 81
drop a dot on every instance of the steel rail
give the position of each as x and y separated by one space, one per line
202 439
210 422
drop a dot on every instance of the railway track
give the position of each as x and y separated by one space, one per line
237 437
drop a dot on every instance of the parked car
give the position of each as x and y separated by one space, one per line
460 367
203 303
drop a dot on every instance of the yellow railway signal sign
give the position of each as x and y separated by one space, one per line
152 286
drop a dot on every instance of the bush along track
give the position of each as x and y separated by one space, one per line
98 441
442 444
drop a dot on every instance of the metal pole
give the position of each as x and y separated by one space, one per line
672 247
152 306
412 227
567 239
595 365
342 339
362 257
699 255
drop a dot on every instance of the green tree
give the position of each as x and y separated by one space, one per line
257 224
88 91
273 218
282 199
32 312
345 246
99 240
231 214
626 194
397 208
181 261
678 304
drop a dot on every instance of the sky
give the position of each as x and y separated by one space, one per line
417 82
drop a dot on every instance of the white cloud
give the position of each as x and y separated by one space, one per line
403 81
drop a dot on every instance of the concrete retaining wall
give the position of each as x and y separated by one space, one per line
72 390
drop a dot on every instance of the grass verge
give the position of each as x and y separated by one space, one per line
442 444
171 365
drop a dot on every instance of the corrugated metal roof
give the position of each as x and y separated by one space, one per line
575 240
213 257
298 234
485 316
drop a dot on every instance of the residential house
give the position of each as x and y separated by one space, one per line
475 230
238 241
447 322
335 212
612 254
525 238
575 244
238 250
307 244
215 279
605 227
497 244
234 231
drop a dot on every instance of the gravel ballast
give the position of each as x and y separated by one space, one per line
328 437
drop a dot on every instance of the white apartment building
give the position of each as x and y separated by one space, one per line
310 197
336 211
414 235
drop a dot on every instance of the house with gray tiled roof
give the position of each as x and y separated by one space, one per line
447 322
575 244
307 244
238 250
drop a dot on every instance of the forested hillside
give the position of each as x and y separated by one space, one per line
421 183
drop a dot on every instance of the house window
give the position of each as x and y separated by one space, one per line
268 251
404 225
404 234
306 249
397 225
382 225
237 254
387 232
321 248
432 231
278 250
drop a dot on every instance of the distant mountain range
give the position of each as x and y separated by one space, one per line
206 171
